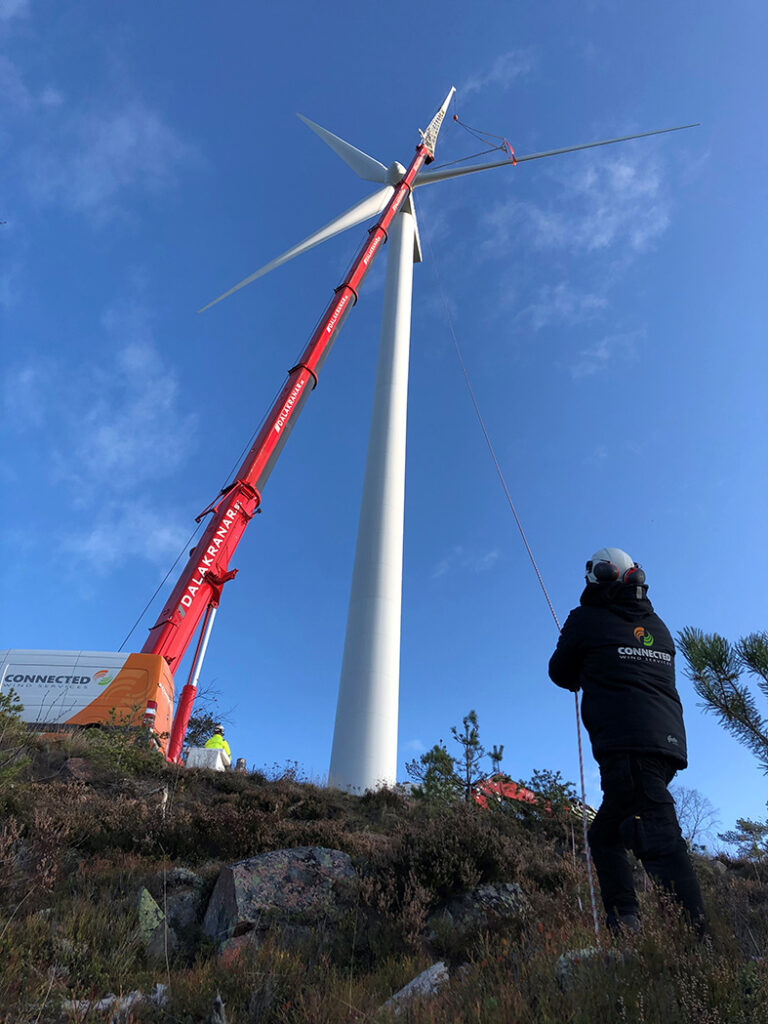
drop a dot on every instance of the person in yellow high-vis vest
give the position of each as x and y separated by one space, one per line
217 742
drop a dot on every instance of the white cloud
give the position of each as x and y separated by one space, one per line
124 408
97 158
562 303
606 210
438 304
16 97
9 291
13 9
110 425
603 204
415 747
459 559
435 229
605 353
91 156
50 97
25 394
127 529
504 70
435 219
621 201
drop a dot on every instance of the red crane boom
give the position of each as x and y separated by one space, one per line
200 583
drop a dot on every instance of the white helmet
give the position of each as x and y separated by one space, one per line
609 564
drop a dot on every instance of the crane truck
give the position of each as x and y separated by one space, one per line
63 689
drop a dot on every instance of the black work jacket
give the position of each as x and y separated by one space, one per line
621 654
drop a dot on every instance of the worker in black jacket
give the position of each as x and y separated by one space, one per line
619 652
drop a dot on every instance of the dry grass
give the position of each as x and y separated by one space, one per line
73 855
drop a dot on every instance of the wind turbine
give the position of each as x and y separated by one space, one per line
364 753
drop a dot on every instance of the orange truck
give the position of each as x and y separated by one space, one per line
61 689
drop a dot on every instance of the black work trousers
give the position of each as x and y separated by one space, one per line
638 814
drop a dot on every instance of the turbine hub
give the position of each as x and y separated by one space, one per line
395 173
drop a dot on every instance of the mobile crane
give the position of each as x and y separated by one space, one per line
68 688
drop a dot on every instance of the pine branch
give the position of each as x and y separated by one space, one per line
714 667
752 652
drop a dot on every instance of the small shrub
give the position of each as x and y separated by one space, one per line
16 740
118 750
11 832
386 798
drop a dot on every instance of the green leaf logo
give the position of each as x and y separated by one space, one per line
641 634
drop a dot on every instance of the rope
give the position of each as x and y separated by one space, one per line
463 159
149 602
584 820
194 533
482 136
478 133
538 576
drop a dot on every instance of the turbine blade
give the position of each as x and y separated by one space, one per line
363 165
428 177
368 207
606 142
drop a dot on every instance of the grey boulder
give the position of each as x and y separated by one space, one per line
163 944
290 889
481 908
180 892
423 985
150 914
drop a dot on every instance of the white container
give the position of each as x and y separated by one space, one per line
213 758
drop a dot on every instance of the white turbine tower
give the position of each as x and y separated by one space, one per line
364 754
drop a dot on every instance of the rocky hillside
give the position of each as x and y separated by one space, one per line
131 890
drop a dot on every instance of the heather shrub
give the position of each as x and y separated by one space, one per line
98 822
75 937
117 750
274 985
11 874
380 803
456 849
74 854
16 740
25 949
73 743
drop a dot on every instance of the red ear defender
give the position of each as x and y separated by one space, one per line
635 575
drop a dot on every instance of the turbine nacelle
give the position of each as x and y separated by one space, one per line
395 172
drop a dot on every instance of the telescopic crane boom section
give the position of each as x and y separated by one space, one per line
200 583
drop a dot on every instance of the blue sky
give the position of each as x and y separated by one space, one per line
611 307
